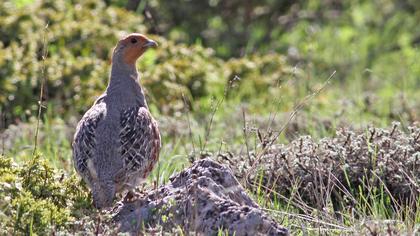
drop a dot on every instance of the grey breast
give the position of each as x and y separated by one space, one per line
118 143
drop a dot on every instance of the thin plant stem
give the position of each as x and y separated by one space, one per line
41 93
296 109
3 126
189 123
216 108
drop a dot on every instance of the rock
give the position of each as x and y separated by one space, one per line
205 199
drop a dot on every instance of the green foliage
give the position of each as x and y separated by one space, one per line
372 45
258 76
235 28
232 27
79 36
179 70
79 41
37 199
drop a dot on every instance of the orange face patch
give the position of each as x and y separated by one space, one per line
132 53
134 47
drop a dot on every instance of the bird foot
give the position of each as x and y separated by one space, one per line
131 196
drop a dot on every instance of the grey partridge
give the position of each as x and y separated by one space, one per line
117 142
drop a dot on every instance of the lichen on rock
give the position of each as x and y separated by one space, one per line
205 198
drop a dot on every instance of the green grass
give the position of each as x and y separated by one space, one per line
372 209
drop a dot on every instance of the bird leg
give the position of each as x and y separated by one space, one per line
135 193
131 196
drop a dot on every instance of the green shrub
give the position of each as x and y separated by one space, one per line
180 70
37 199
259 75
79 37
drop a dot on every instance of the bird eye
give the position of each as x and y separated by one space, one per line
133 40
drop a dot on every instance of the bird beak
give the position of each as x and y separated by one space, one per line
150 43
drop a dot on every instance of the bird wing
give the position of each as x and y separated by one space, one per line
140 141
84 138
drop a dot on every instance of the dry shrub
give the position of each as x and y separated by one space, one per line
376 163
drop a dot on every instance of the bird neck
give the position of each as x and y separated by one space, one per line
122 73
124 85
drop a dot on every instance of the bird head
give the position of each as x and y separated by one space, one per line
131 47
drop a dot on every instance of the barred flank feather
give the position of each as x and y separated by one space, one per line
139 141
